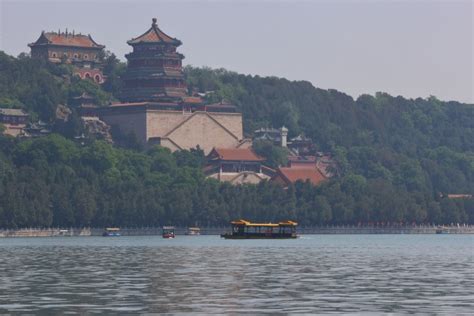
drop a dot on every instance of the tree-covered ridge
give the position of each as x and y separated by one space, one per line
423 145
396 156
39 87
52 181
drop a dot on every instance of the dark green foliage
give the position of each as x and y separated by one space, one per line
422 146
113 69
78 86
395 156
70 128
52 181
39 87
193 158
32 85
275 156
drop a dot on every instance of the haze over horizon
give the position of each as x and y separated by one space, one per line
408 48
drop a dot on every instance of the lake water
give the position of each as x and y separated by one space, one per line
360 274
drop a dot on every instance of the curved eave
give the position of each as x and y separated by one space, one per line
69 46
95 43
48 42
174 42
134 55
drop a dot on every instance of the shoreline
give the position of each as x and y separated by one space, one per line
157 231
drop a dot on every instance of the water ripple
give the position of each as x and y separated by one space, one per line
315 274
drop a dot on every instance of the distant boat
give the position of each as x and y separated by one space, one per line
111 232
243 229
63 233
193 231
442 230
168 232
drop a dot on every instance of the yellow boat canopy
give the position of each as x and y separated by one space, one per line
112 229
242 222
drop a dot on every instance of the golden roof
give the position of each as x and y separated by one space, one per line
247 223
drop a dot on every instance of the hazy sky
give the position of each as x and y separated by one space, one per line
410 48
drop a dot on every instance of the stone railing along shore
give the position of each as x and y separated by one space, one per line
153 231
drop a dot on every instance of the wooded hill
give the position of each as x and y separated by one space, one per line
397 157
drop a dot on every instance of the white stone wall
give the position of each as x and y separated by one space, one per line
160 123
201 129
180 130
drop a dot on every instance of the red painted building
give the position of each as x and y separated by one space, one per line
76 49
14 121
237 166
287 176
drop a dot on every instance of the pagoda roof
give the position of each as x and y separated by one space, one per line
66 39
153 36
12 112
291 175
311 159
140 104
192 100
235 154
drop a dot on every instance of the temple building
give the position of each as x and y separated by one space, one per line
299 145
76 49
154 71
237 166
14 121
286 176
155 104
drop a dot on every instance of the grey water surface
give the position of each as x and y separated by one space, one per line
350 274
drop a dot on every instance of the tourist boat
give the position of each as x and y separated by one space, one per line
168 232
442 230
111 232
243 229
64 232
193 231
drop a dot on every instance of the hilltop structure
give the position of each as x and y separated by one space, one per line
237 166
76 49
14 121
287 175
154 71
299 145
156 106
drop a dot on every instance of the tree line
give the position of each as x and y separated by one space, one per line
397 157
53 181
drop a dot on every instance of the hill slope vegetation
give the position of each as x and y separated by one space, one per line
397 157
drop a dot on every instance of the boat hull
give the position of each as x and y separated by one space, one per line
111 235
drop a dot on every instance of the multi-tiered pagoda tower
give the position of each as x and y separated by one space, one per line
156 107
154 71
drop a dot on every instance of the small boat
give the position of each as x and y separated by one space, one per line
63 232
243 229
442 230
168 232
193 231
111 232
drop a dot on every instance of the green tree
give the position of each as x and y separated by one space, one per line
275 156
